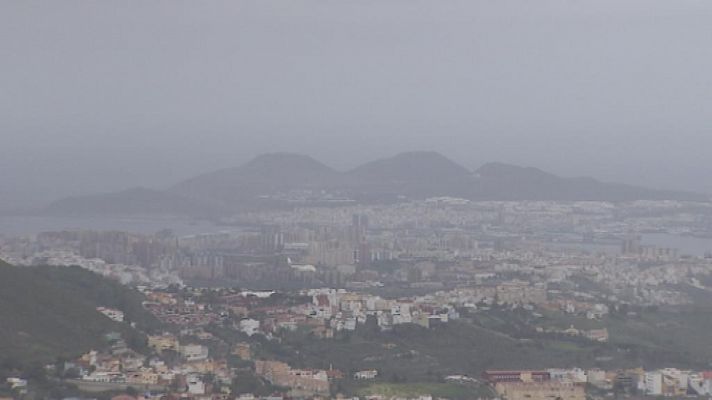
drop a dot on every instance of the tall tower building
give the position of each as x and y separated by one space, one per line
359 227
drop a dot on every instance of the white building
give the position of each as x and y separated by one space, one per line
194 352
366 374
17 383
195 385
250 326
113 314
401 313
652 383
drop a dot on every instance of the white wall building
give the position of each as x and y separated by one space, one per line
195 385
113 314
250 326
194 352
652 383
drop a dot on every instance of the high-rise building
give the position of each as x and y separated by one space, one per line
272 239
631 245
359 227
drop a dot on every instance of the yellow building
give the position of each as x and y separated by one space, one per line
242 350
547 390
163 342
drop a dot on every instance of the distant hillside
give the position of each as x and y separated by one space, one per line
246 186
50 312
275 180
414 174
499 181
418 166
136 201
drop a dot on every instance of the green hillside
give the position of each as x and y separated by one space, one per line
50 312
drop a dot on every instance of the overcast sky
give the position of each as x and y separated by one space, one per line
105 95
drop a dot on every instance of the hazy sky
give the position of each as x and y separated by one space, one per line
104 95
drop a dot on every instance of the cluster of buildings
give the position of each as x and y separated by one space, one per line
432 244
324 311
420 263
118 367
305 380
192 372
571 384
183 365
344 310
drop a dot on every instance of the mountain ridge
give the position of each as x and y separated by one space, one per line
272 180
409 166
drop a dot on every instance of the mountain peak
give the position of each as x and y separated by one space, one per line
424 156
498 170
412 166
291 161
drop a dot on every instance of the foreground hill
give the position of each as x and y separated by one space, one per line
282 179
50 312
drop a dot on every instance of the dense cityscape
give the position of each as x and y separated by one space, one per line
568 297
355 200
